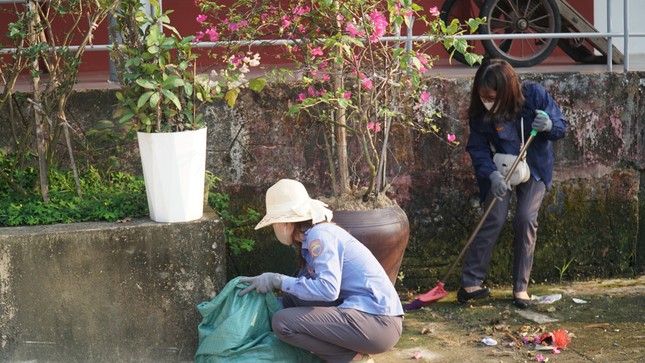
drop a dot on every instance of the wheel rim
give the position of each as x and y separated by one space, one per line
521 17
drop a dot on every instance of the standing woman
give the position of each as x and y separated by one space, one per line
500 108
341 306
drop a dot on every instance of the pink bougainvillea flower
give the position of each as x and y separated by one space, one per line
286 21
198 36
237 60
434 11
398 8
422 58
326 77
376 126
213 35
340 17
238 26
380 24
311 91
540 358
526 340
299 10
201 18
302 97
347 95
450 137
555 351
367 84
425 96
317 51
353 30
322 65
423 69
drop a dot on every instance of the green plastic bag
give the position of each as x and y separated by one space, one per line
238 329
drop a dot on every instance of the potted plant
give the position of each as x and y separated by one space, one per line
360 78
160 99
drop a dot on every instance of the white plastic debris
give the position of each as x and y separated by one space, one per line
579 301
489 341
546 299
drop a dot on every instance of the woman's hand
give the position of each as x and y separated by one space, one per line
542 122
262 284
498 185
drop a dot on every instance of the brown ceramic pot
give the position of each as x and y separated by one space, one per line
384 231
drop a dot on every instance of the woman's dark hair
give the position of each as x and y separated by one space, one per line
300 227
497 75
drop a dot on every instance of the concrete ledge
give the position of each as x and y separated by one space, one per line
107 292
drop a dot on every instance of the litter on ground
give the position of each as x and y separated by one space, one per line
546 299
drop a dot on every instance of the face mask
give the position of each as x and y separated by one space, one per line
488 105
284 232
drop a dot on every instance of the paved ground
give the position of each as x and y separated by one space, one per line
609 327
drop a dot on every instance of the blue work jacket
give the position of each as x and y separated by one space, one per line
540 155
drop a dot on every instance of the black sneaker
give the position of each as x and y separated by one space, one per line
463 296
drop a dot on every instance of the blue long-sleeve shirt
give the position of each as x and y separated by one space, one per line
540 156
339 267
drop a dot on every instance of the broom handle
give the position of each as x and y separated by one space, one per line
490 206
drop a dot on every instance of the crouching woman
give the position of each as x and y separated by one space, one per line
341 306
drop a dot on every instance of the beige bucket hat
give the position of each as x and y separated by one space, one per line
288 201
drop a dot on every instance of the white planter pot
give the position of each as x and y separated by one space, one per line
173 169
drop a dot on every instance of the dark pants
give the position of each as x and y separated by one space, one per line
529 200
332 333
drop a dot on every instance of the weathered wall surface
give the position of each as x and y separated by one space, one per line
592 216
107 292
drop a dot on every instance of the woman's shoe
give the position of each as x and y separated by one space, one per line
463 296
522 303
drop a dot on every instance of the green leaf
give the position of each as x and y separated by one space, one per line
154 99
188 89
173 97
172 82
146 84
144 98
153 49
127 117
231 97
257 84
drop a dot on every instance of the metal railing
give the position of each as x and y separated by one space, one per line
412 38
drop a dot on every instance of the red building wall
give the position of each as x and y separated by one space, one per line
183 18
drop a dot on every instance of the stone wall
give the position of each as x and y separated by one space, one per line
107 292
591 216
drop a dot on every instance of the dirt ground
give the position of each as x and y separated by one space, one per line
609 326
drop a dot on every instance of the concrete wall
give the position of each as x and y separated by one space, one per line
107 292
592 215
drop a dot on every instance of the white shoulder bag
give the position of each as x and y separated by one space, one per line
503 162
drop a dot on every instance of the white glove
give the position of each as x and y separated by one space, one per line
262 284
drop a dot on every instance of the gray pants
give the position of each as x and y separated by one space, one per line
332 333
529 199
